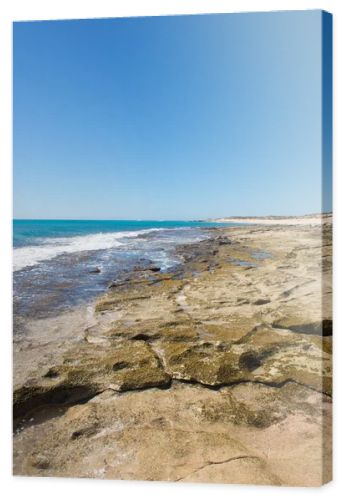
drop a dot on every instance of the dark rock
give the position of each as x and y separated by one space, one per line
96 270
84 432
249 361
327 327
114 284
323 328
52 373
261 302
120 365
223 240
142 336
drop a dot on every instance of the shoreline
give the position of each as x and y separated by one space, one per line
306 220
212 353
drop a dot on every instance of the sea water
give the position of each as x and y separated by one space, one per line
54 260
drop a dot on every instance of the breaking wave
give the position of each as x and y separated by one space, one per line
49 248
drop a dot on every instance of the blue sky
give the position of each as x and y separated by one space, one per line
169 118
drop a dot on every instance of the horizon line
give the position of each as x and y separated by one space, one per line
171 219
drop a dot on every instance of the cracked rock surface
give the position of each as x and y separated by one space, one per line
217 372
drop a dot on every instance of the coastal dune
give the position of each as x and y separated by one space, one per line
217 372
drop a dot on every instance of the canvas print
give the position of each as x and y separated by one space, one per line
172 248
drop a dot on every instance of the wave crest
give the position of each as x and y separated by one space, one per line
53 247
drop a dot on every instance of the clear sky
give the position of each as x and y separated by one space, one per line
169 117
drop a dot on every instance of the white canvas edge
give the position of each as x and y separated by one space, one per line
66 9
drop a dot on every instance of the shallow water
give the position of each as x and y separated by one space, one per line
59 264
261 255
243 263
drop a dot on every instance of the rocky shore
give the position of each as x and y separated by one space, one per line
217 372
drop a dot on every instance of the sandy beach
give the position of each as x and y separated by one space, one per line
219 372
307 220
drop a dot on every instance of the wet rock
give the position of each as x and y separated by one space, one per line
96 270
115 284
154 269
221 240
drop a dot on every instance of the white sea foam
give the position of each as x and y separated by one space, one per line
53 247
